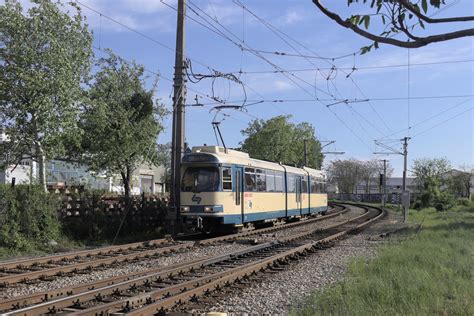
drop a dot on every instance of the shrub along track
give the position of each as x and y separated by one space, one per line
154 291
50 267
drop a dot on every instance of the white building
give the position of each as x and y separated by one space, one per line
146 179
24 173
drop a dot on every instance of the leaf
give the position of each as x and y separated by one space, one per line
383 19
422 24
416 7
367 21
424 5
436 3
376 45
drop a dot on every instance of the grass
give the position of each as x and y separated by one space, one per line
425 273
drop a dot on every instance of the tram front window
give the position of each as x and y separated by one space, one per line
199 179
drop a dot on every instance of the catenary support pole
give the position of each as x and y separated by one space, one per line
404 186
385 182
179 97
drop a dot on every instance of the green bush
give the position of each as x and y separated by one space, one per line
463 201
426 199
28 217
417 205
444 201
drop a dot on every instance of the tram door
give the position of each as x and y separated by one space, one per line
239 195
299 202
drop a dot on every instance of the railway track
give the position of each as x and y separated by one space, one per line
49 267
154 291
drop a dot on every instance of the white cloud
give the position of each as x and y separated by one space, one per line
226 14
147 6
282 85
292 17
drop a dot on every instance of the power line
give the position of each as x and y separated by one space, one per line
431 117
257 101
250 72
442 122
333 66
243 44
201 94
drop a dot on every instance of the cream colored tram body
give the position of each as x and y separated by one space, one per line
223 188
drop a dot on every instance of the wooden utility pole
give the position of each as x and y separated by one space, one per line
179 98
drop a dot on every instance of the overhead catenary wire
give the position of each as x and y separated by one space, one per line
333 66
201 94
444 121
250 72
288 75
431 117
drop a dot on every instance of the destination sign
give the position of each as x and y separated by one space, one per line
199 158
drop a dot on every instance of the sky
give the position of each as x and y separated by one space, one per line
430 101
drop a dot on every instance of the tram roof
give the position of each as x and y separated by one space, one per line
232 156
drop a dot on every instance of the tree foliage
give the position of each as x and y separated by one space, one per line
164 159
45 56
28 217
459 181
392 18
122 122
279 140
429 172
348 173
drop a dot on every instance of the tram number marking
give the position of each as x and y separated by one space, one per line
196 199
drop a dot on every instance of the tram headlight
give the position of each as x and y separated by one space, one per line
184 209
208 209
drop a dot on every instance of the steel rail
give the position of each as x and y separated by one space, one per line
36 298
68 301
82 253
114 258
243 271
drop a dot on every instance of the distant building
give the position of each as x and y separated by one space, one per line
464 190
145 179
23 173
393 185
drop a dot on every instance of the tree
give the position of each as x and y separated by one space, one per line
45 56
428 172
371 169
345 173
279 140
459 181
398 17
122 122
164 159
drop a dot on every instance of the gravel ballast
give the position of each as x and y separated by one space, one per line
277 292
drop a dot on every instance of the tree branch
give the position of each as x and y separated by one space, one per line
427 19
422 41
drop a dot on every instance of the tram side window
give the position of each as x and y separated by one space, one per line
320 187
226 178
304 186
278 181
250 179
270 181
314 188
291 183
261 181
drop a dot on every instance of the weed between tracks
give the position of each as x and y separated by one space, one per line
426 273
